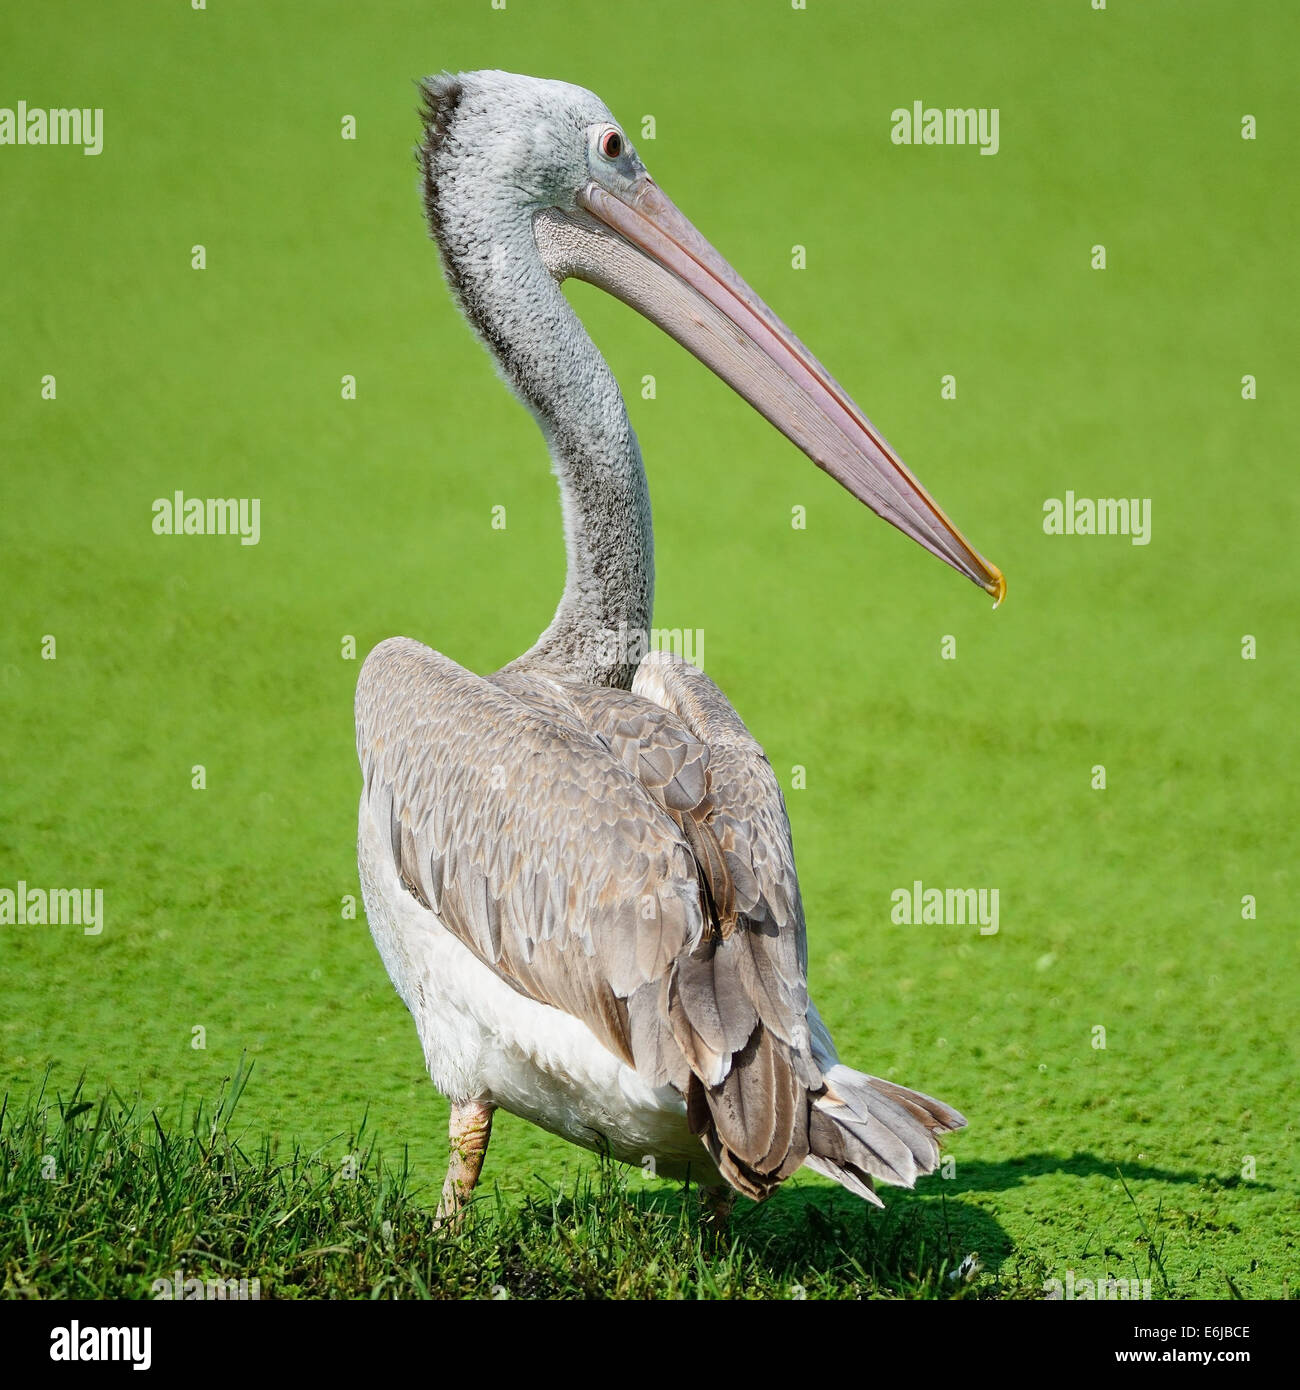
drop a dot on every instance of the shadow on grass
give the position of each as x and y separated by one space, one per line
1014 1172
806 1241
934 1227
626 1240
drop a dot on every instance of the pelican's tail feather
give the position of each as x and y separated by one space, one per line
863 1127
754 1122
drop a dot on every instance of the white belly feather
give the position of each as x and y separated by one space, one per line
484 1040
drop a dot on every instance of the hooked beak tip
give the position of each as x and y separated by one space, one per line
997 586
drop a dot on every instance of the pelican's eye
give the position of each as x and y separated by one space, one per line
611 144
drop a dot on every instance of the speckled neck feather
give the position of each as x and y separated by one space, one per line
494 268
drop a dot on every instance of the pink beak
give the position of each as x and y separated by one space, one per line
642 250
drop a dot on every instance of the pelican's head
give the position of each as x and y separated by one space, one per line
546 161
524 142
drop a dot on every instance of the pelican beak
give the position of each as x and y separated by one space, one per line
640 249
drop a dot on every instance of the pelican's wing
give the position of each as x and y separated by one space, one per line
754 1115
625 857
677 731
531 841
860 1127
746 812
574 841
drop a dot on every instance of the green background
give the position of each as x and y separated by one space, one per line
1120 908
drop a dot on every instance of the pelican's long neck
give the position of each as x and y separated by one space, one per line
599 631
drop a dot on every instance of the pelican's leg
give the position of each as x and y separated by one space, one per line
716 1202
469 1130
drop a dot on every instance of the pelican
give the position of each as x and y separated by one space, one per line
578 871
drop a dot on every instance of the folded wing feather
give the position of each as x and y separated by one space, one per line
582 843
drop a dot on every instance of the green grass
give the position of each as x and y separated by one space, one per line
225 908
98 1201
